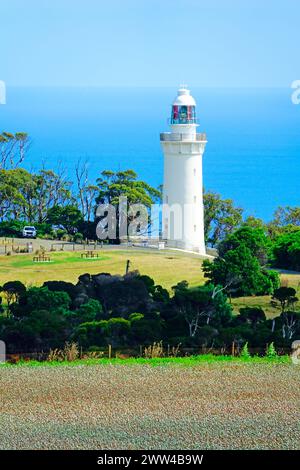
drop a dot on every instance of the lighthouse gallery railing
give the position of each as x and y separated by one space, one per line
178 137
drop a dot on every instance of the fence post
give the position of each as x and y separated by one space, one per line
109 351
233 349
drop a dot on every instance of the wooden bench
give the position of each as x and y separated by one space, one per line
90 254
41 259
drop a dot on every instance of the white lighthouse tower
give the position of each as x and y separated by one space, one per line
183 147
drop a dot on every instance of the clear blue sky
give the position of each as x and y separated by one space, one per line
150 42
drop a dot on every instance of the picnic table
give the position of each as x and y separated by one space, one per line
90 254
41 258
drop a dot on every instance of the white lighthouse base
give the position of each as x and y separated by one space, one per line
186 246
189 252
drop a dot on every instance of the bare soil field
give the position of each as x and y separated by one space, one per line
208 406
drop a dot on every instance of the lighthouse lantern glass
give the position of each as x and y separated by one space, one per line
183 114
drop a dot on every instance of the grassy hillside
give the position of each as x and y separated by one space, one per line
166 268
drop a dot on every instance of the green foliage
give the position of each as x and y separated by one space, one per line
158 293
69 216
240 264
220 217
43 298
204 305
28 196
11 228
254 239
286 296
14 290
254 222
245 352
61 286
78 237
87 312
286 251
145 329
91 334
130 311
186 361
125 184
287 216
13 149
238 334
117 331
252 315
271 351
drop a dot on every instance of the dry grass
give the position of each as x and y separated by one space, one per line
288 280
166 268
154 350
69 353
263 302
209 406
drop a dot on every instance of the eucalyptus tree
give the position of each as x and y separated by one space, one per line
13 149
124 185
221 217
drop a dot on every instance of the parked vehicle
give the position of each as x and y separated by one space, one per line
29 232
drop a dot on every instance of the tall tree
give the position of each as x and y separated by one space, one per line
14 186
286 251
52 189
241 264
86 192
201 305
221 217
287 216
286 297
124 184
13 149
68 216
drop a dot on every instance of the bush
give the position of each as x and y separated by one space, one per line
91 333
11 228
271 351
60 234
240 265
78 237
245 352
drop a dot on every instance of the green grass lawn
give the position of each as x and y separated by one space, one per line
166 268
184 361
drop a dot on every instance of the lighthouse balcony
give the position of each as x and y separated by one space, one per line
179 137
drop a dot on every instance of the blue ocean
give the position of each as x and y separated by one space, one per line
253 149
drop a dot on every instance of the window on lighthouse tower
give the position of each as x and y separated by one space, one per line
183 114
